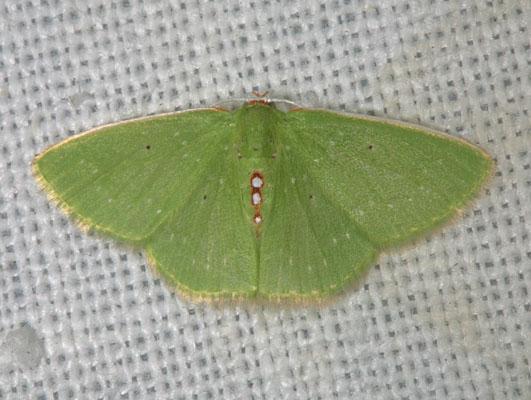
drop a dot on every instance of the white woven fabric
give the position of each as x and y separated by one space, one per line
82 316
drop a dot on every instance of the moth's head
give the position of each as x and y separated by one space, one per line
236 104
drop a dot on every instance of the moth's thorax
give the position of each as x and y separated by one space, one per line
256 129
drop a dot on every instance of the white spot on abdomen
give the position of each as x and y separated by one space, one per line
257 182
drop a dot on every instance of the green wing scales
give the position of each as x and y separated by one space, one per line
338 189
395 181
167 184
348 187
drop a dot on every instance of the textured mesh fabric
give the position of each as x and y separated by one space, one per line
82 316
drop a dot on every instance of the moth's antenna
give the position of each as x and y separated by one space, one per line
260 95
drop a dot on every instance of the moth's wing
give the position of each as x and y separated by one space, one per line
393 180
309 247
134 180
381 183
208 248
124 179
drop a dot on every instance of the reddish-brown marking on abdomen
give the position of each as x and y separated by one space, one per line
257 182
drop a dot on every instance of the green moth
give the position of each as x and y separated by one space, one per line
259 202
